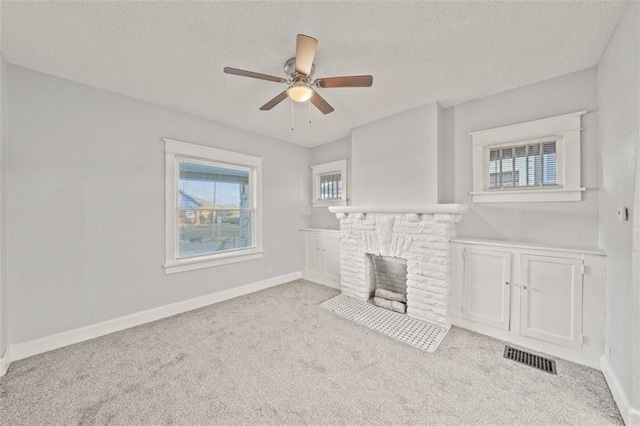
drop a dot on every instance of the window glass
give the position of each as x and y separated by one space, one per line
214 209
531 165
330 186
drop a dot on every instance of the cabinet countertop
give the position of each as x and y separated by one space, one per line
531 246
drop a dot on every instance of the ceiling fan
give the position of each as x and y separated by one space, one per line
299 72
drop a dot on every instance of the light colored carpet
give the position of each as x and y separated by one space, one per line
277 357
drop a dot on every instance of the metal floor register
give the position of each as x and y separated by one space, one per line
409 330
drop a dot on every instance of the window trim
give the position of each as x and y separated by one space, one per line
326 168
176 151
564 129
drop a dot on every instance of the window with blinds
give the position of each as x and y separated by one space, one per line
530 165
330 186
214 211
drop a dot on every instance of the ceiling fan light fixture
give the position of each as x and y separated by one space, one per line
300 92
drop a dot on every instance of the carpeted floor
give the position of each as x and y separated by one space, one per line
277 357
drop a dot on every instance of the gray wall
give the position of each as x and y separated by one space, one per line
321 217
556 223
86 205
395 159
4 129
618 135
446 160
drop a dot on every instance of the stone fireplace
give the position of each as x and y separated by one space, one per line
419 234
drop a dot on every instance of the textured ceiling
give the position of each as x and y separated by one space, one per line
173 53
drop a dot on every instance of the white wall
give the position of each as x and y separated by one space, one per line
618 136
321 218
557 223
395 159
86 205
4 128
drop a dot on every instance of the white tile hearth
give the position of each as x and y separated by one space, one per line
413 332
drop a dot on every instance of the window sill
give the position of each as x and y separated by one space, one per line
329 203
528 195
213 260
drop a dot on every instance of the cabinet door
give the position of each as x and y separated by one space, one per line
331 257
551 299
486 292
311 246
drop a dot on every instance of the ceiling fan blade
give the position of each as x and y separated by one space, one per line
349 81
321 104
252 74
305 52
275 101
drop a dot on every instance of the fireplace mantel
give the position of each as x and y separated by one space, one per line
403 209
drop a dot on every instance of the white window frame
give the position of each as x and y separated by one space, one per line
339 166
564 129
176 151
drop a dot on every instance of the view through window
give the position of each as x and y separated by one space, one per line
214 208
331 186
531 165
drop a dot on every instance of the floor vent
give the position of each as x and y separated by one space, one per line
541 363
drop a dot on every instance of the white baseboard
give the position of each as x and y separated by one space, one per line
320 280
4 363
589 356
44 344
630 415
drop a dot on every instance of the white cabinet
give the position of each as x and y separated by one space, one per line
487 276
321 256
551 299
311 253
548 299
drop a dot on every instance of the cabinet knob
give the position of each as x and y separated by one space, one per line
506 283
524 287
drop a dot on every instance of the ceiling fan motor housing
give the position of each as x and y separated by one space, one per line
292 75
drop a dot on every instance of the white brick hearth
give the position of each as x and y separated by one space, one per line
419 234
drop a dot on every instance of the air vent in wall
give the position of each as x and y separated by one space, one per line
545 364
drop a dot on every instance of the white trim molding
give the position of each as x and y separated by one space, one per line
4 363
23 350
319 280
630 415
564 130
176 151
402 209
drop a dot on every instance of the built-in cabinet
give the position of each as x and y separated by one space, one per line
487 276
321 256
549 299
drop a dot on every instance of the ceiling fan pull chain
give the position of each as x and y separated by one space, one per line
309 111
292 116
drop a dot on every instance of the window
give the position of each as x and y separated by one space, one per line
533 161
533 165
330 184
213 207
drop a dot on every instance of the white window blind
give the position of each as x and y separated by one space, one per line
214 209
331 186
524 166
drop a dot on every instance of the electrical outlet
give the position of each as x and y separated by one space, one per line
269 269
622 214
607 351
